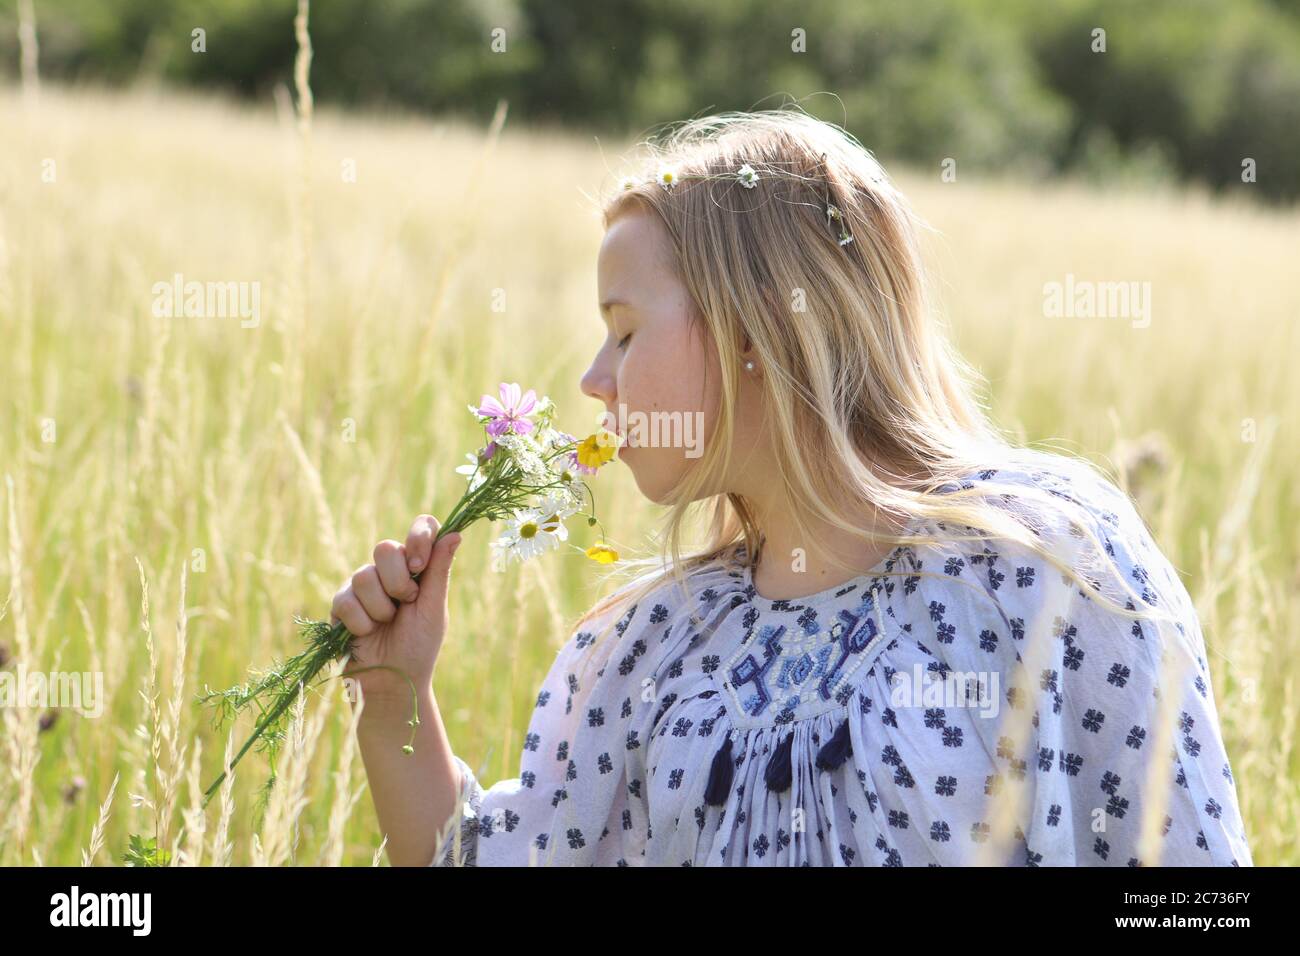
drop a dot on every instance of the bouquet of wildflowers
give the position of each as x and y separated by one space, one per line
528 474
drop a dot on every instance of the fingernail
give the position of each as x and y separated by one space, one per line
417 563
455 544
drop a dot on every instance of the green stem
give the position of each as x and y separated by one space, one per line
271 716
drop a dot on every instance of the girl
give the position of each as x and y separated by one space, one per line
905 641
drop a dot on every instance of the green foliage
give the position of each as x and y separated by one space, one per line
142 852
1189 87
1205 84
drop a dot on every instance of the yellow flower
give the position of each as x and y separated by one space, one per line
602 553
594 451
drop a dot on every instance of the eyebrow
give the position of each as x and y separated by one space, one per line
610 303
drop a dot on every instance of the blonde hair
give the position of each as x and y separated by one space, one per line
866 398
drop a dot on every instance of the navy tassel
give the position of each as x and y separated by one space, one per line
836 750
719 786
780 771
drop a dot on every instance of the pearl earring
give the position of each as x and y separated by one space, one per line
749 366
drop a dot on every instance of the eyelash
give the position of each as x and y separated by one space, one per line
623 340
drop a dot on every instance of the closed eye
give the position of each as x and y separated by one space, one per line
623 341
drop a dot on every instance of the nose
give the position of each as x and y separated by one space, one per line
598 381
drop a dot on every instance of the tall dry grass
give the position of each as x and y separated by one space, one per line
177 489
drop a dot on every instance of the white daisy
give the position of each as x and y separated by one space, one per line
471 467
554 508
471 471
667 176
528 534
748 176
628 182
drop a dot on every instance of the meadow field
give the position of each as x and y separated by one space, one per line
175 489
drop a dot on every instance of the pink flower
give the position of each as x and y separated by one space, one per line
508 414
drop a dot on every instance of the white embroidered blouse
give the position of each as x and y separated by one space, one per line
876 722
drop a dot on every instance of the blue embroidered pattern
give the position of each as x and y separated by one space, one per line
799 669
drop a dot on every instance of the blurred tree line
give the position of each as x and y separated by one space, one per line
1184 88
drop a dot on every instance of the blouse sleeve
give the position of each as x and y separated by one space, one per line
579 795
1101 687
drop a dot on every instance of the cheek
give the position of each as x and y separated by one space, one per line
645 377
700 385
669 374
671 380
701 380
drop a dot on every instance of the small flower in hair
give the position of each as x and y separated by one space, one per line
628 182
667 176
833 214
748 177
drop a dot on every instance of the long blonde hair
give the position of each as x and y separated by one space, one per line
866 398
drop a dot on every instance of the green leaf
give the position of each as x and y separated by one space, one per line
144 852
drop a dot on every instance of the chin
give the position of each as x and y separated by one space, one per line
643 483
657 488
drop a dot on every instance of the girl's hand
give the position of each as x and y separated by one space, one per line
398 622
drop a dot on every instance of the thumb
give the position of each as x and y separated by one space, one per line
432 599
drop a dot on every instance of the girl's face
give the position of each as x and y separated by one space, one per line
657 370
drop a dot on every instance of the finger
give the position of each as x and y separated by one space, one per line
433 586
390 562
339 597
354 617
371 594
419 542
